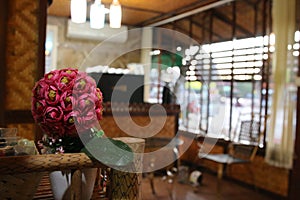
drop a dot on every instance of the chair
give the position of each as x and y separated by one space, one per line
249 131
157 143
247 128
238 153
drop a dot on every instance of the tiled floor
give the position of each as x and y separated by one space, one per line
207 191
230 190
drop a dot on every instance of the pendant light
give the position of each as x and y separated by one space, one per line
78 11
97 15
115 14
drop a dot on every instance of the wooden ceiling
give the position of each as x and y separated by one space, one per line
137 12
204 20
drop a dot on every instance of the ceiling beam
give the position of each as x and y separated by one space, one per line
206 29
225 19
165 15
182 30
142 9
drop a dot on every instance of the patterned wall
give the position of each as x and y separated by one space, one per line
22 58
22 52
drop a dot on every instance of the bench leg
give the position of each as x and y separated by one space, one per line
220 176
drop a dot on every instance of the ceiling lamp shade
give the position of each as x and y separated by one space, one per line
78 11
97 15
115 14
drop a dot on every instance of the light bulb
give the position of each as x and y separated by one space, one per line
78 11
115 14
97 15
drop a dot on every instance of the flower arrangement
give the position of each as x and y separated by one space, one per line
66 103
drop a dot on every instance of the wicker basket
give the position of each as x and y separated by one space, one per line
20 175
19 185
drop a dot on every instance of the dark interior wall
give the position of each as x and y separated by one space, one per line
3 22
294 189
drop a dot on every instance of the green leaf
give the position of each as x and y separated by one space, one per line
99 133
109 151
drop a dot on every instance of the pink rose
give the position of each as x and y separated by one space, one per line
38 107
69 123
51 77
99 112
65 102
69 72
85 121
84 84
85 103
65 83
39 89
53 114
99 96
52 95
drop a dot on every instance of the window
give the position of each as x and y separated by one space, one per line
224 82
227 76
50 48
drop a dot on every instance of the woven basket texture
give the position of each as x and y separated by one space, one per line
22 52
19 186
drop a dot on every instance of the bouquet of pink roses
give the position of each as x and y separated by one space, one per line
66 103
